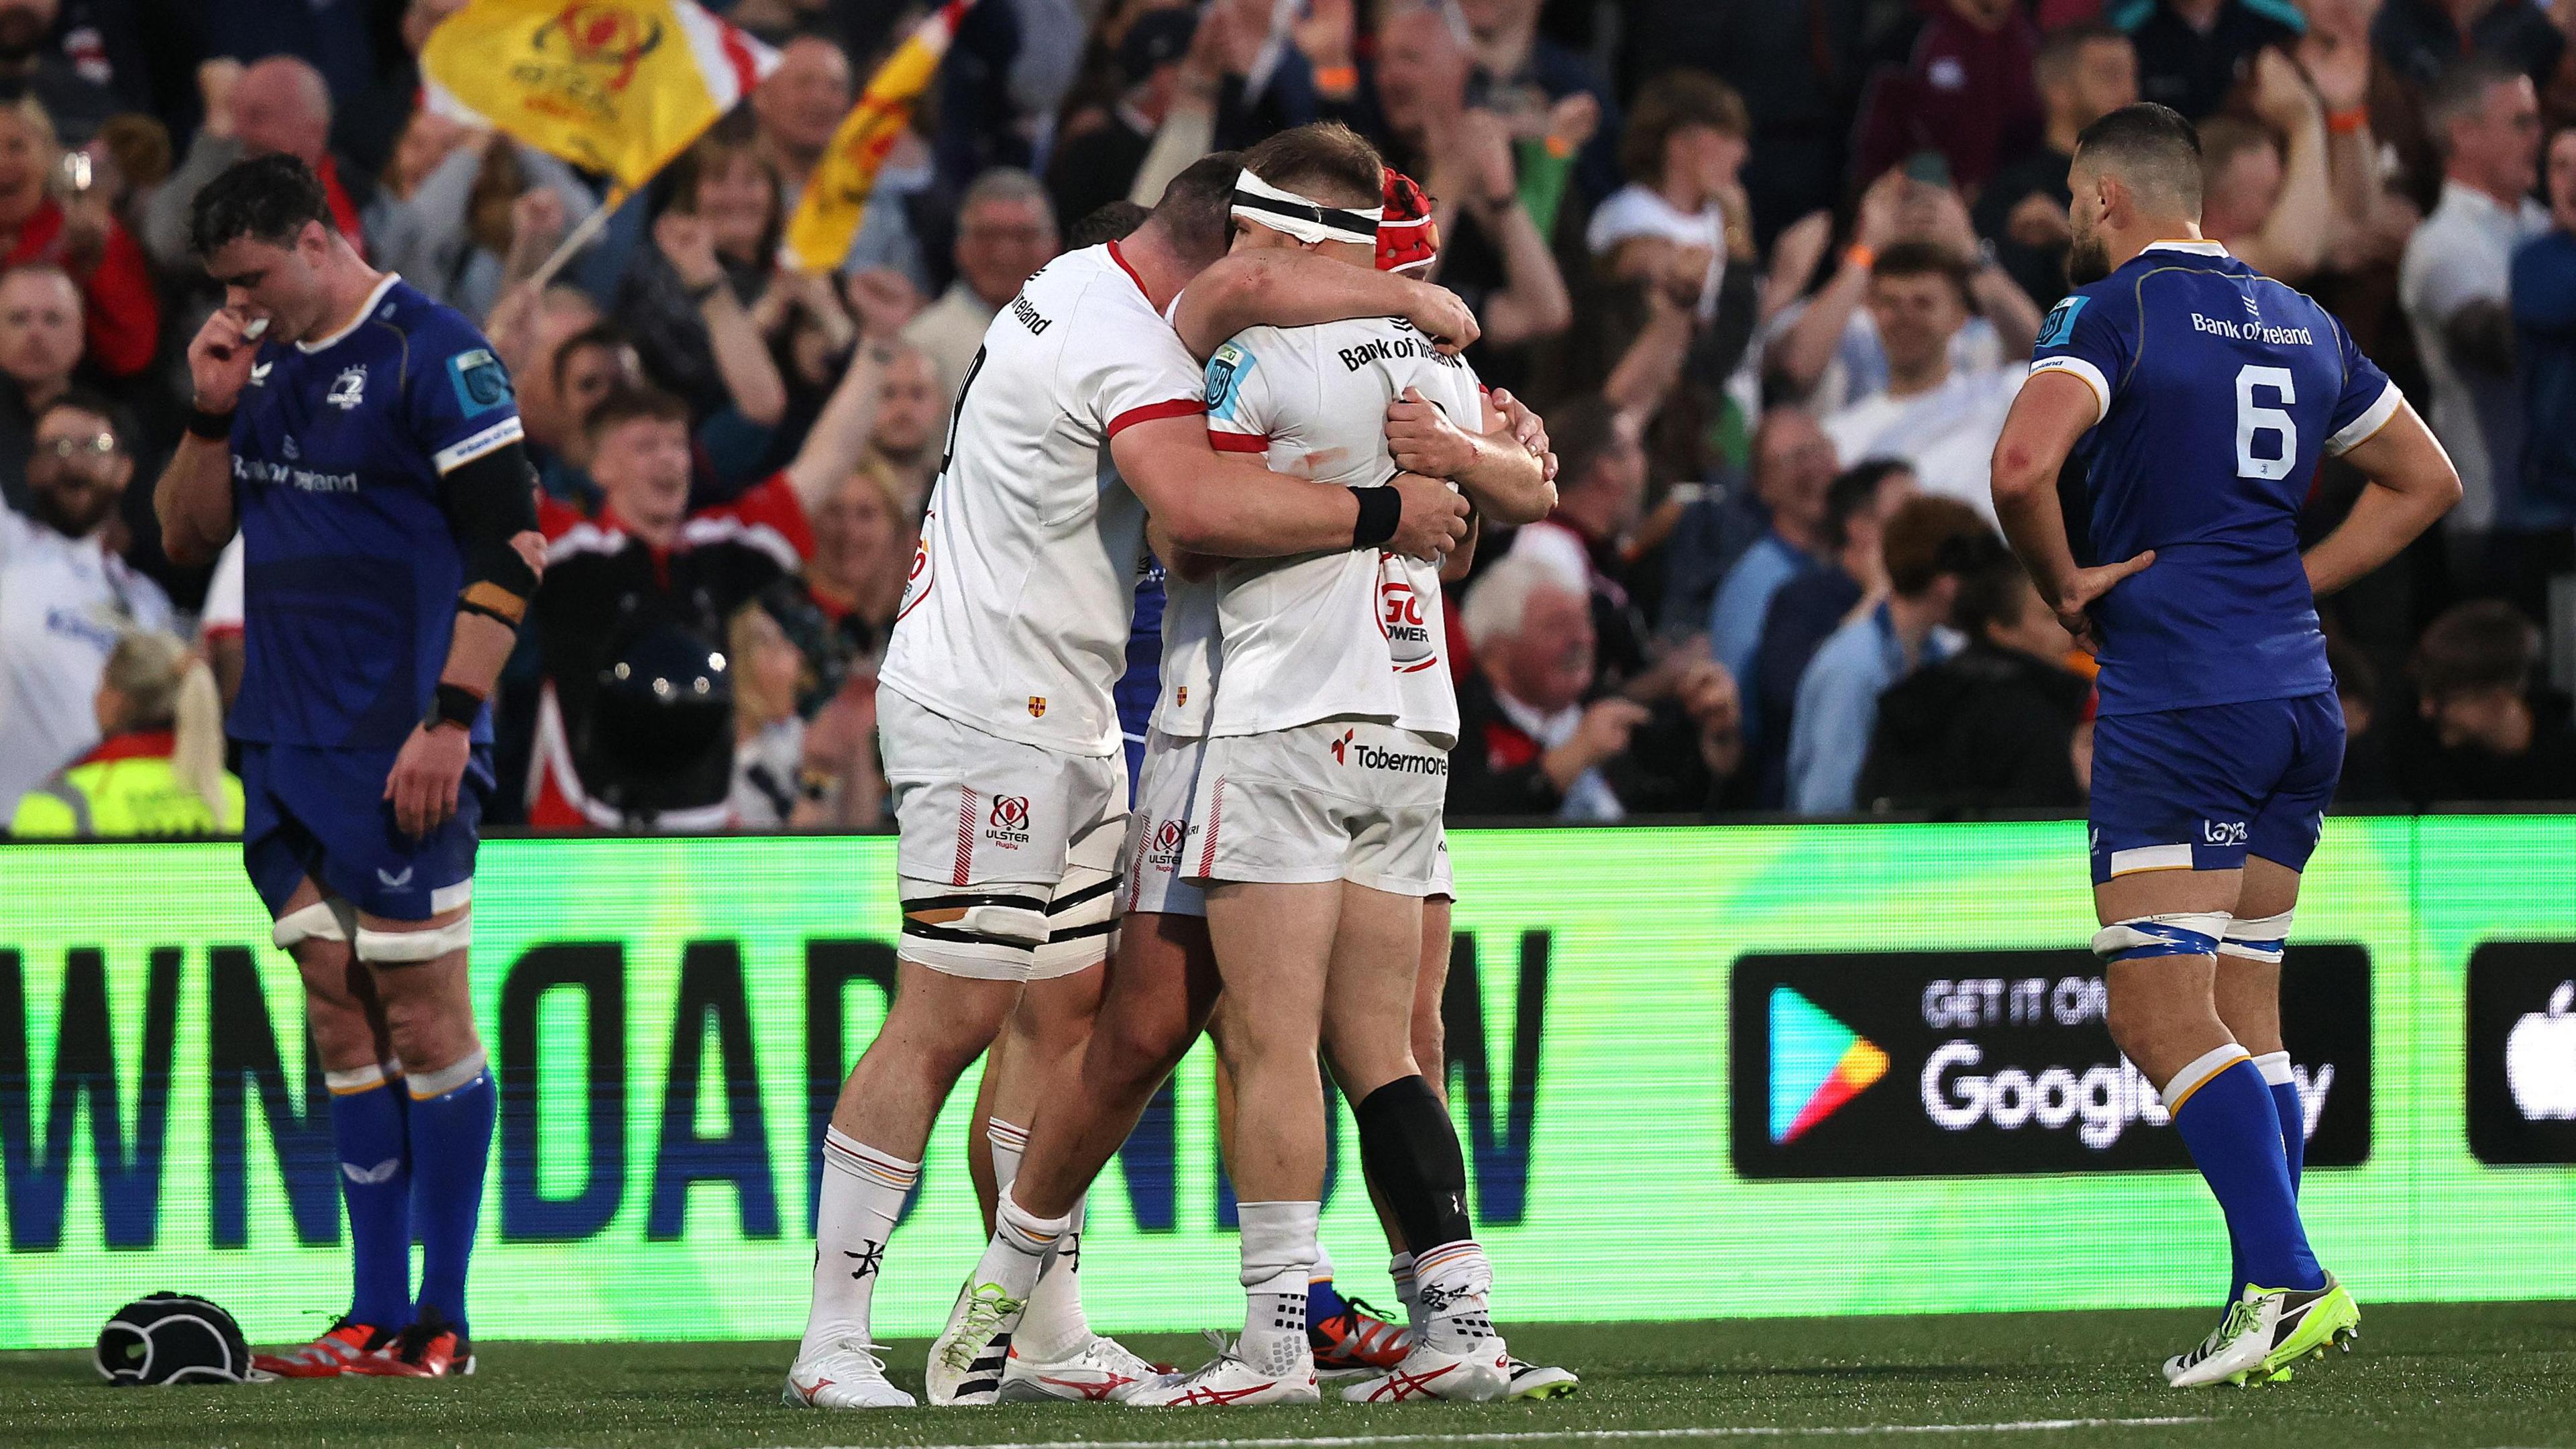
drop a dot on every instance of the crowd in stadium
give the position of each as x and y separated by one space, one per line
1773 347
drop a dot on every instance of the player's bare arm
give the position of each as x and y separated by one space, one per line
1499 473
2412 484
1283 288
491 505
2053 410
194 498
1207 502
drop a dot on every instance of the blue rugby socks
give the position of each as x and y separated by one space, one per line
2275 1067
451 1139
371 1139
2226 1115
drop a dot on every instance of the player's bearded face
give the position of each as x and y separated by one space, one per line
2087 259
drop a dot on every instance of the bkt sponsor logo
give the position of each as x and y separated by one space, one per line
2009 1060
1008 825
1351 750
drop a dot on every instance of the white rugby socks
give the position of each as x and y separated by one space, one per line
863 1193
1279 1251
1054 1325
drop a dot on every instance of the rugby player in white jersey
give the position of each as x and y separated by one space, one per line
1000 739
1325 734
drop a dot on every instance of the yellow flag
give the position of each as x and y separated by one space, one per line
836 197
619 86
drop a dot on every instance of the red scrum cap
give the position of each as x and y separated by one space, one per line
1407 238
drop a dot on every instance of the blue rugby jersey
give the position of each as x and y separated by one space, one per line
351 573
2219 390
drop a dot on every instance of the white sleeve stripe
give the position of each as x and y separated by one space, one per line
2077 367
499 435
2372 419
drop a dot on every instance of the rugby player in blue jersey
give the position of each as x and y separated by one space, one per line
364 440
2194 397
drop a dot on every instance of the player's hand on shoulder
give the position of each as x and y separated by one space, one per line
426 777
1434 519
1423 439
1443 316
219 359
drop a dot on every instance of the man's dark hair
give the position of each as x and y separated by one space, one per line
629 401
1993 594
2149 146
1322 160
266 198
603 333
1854 492
1924 259
1108 223
2482 644
2461 92
1196 211
1929 536
1669 102
2059 47
1581 431
81 399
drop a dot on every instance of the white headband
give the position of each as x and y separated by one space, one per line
1301 217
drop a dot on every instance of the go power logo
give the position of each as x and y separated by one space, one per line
1940 1064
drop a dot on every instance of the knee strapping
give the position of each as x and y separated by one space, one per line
2261 938
1409 1148
324 920
2173 933
407 948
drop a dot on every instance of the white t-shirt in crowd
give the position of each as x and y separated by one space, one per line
63 601
1948 434
1016 615
1636 210
2463 253
1270 644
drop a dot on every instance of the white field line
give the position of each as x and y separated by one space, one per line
1753 1431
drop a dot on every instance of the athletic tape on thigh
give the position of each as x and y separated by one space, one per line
425 1085
324 920
2173 933
404 948
1011 919
2262 938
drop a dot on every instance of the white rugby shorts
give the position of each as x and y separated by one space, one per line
1006 853
1342 799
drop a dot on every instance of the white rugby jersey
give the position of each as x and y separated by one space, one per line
1270 644
1016 616
63 602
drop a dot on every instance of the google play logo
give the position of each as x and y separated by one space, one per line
1817 1064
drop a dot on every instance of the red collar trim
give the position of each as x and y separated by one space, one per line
136 744
1120 258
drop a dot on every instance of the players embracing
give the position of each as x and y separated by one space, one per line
2194 397
1289 818
1082 412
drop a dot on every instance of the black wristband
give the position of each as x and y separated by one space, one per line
699 295
453 704
1381 509
213 427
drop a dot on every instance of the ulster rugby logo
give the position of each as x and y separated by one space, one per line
1165 853
1008 825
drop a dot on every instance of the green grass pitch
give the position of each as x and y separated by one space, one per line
2476 1377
